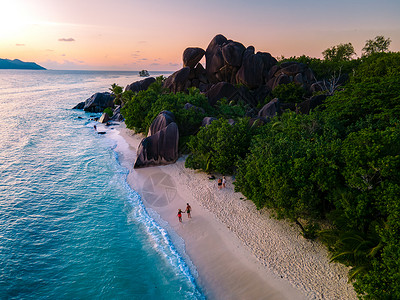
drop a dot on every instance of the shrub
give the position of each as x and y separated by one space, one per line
219 145
108 111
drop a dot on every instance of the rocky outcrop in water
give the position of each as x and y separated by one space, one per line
97 102
104 118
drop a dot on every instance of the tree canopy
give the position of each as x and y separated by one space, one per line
339 53
378 44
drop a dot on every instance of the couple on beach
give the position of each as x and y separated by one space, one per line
221 182
188 210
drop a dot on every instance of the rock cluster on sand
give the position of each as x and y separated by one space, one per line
161 146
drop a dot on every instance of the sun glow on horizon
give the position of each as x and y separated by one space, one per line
13 19
130 34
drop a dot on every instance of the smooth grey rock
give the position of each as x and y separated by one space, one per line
104 118
270 109
191 56
79 106
163 119
219 91
140 85
99 102
177 82
160 148
207 121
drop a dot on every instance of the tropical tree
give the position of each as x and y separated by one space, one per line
341 52
219 146
378 44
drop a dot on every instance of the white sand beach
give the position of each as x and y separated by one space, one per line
238 251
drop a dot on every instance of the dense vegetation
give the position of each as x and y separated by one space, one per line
141 108
339 164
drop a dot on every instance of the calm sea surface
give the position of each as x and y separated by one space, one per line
70 226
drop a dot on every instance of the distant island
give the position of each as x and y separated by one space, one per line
19 64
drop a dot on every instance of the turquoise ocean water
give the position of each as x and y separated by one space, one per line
70 226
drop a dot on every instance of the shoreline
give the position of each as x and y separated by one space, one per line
238 251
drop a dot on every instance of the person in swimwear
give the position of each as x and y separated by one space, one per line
179 215
188 210
219 183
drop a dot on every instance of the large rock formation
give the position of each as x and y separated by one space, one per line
140 85
191 57
99 102
219 91
251 71
230 61
161 146
288 72
177 82
163 119
270 109
229 64
214 58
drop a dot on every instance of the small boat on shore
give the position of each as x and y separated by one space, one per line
144 73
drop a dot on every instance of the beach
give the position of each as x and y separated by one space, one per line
239 252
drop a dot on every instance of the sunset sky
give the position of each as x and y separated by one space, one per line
135 35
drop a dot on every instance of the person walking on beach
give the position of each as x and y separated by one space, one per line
223 181
188 210
179 215
219 183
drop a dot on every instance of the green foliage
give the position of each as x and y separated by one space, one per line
371 99
341 52
231 110
137 108
219 145
289 93
378 44
325 69
108 111
117 91
378 65
290 168
342 164
141 108
188 120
